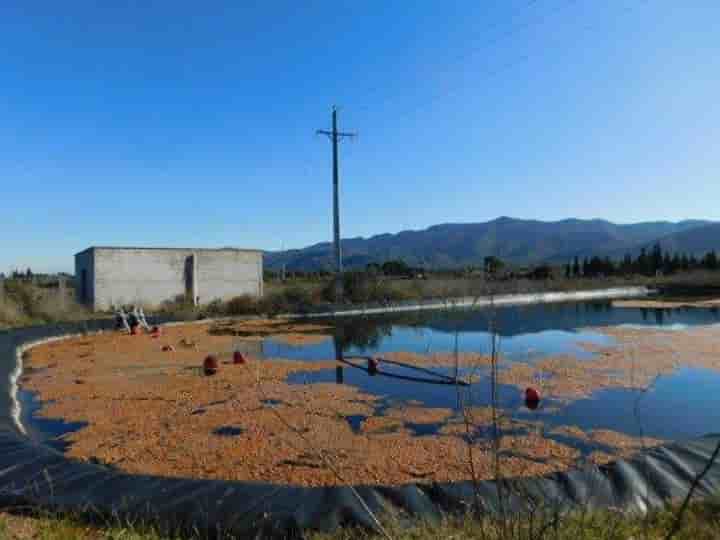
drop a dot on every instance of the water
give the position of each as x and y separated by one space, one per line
681 405
527 332
48 430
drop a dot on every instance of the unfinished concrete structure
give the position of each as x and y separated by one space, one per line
113 276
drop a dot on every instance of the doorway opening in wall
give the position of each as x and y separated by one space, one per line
83 287
189 278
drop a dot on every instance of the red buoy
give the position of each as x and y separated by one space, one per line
210 365
532 398
373 365
238 358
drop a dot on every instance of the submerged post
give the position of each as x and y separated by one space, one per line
339 370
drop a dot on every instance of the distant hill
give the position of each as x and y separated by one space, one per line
693 241
517 241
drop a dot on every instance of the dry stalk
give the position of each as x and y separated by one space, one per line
677 524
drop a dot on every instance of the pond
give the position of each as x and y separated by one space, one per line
682 403
678 405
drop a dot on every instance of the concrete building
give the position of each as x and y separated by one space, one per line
111 276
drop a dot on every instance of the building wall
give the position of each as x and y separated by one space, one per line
228 275
152 276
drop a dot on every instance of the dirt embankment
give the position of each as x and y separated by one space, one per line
150 409
667 304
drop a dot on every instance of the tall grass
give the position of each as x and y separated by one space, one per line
702 522
24 303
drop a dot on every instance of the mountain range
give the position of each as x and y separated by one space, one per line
518 241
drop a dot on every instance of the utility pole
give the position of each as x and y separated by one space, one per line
282 272
335 136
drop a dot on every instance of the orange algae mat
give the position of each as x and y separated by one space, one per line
152 411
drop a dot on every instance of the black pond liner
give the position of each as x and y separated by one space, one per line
34 474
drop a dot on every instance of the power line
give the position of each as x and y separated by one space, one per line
505 67
509 32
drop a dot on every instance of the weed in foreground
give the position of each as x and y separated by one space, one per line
702 522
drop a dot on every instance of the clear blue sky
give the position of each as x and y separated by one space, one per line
192 123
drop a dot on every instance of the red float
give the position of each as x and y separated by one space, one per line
238 358
532 398
211 365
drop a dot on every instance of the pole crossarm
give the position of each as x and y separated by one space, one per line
339 134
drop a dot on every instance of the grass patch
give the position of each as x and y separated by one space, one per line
701 522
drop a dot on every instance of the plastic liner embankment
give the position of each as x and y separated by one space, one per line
32 474
485 301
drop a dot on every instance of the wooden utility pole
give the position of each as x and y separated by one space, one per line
335 136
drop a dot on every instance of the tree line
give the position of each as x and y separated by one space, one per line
647 263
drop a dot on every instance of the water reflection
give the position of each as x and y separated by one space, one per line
526 333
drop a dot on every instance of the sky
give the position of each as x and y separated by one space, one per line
179 123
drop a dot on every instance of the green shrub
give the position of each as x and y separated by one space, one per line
363 287
242 305
291 300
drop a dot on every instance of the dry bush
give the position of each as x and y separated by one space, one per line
242 305
10 313
26 303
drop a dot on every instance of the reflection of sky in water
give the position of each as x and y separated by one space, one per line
526 332
681 405
48 430
428 341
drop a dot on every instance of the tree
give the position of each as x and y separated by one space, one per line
710 261
492 265
395 268
576 267
643 263
656 259
626 267
568 271
541 272
667 264
684 262
675 263
608 266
